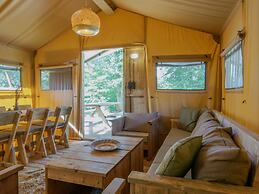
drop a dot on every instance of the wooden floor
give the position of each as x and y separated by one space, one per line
32 177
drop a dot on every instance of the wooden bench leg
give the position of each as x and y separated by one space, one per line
64 139
22 151
9 155
40 146
51 142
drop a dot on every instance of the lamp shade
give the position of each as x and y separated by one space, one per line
85 22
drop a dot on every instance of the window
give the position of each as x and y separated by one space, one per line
181 75
234 67
56 79
10 77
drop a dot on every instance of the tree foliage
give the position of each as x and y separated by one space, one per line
181 77
103 78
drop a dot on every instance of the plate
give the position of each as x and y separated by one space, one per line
105 145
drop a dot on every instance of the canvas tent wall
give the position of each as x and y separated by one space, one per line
243 105
160 38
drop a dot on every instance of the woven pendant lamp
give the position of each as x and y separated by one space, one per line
85 22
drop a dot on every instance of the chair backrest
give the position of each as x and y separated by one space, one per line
39 113
2 109
10 118
36 114
65 114
24 107
56 115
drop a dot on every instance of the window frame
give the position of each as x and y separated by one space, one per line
182 90
242 55
13 64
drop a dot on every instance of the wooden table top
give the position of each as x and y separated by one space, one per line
81 158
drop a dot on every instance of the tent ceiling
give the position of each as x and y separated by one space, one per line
32 23
206 15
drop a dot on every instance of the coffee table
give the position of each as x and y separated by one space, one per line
79 166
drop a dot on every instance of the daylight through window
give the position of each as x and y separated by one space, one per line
181 75
10 77
234 67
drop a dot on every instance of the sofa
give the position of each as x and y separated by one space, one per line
151 183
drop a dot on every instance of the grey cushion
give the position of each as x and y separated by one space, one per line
221 160
206 122
138 121
179 158
188 118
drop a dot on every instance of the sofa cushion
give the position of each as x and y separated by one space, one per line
188 118
221 160
206 122
179 158
173 136
138 121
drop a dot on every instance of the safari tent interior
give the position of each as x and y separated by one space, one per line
129 96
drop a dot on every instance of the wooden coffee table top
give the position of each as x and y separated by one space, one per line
80 157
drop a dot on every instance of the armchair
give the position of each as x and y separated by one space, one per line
139 125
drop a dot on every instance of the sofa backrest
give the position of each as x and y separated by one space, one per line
245 139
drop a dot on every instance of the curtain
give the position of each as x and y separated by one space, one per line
60 79
234 67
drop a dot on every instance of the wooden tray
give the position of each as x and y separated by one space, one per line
105 145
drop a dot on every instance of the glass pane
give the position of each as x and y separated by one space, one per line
234 68
181 76
44 80
10 77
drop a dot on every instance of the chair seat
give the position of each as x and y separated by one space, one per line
4 135
134 134
33 129
50 124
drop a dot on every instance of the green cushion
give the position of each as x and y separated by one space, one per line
179 158
188 118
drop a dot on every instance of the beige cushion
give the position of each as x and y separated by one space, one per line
133 134
179 158
221 160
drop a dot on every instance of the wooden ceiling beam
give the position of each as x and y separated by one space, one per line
106 6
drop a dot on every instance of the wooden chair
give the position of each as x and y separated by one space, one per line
7 136
51 129
141 125
36 124
65 114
